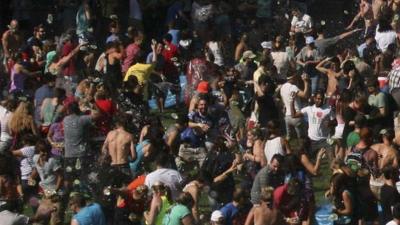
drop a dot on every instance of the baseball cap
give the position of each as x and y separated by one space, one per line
203 87
266 45
248 55
309 40
217 216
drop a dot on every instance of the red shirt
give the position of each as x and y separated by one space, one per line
170 51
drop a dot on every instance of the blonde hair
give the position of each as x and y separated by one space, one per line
22 118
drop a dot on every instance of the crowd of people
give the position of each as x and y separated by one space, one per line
258 99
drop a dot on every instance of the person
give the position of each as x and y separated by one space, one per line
47 168
217 218
379 116
11 40
38 36
396 215
343 200
389 196
179 213
194 188
132 51
51 109
86 214
19 76
266 106
332 73
22 123
385 35
385 149
241 47
266 213
308 58
159 205
275 143
236 211
301 22
113 76
6 112
76 147
271 175
170 177
119 146
318 119
288 91
43 92
289 199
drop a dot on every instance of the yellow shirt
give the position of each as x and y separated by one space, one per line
141 71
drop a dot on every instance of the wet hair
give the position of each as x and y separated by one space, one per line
278 157
366 135
292 164
267 194
348 66
360 121
77 199
167 37
73 108
42 146
339 182
389 172
162 160
131 83
205 177
185 199
59 93
239 194
122 120
28 139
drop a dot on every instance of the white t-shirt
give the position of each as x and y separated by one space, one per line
10 218
392 222
384 39
286 94
26 164
168 177
302 24
316 117
5 116
272 147
47 172
281 62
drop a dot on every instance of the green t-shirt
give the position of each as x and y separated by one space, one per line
352 139
176 214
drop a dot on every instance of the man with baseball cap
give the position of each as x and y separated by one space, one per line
217 218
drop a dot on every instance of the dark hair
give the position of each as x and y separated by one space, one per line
122 120
131 83
389 172
373 82
59 93
366 135
73 108
320 29
239 194
277 157
167 37
29 139
360 121
205 177
185 199
78 199
273 127
348 66
42 146
292 164
339 182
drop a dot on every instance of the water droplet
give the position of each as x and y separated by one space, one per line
322 22
346 12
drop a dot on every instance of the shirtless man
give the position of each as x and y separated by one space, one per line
366 13
387 154
194 188
119 145
11 40
265 213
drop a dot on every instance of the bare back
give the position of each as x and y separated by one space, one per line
119 144
266 216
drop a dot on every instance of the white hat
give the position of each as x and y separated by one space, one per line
266 45
217 216
309 40
248 55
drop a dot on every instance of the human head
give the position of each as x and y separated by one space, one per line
59 93
254 134
76 202
387 135
114 27
39 31
73 108
185 199
360 101
265 83
167 38
360 121
294 187
248 56
273 127
14 26
121 120
217 218
276 162
366 135
372 86
240 196
162 160
319 97
43 148
390 173
202 106
296 12
267 195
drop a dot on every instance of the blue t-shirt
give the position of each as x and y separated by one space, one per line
229 211
175 36
91 215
